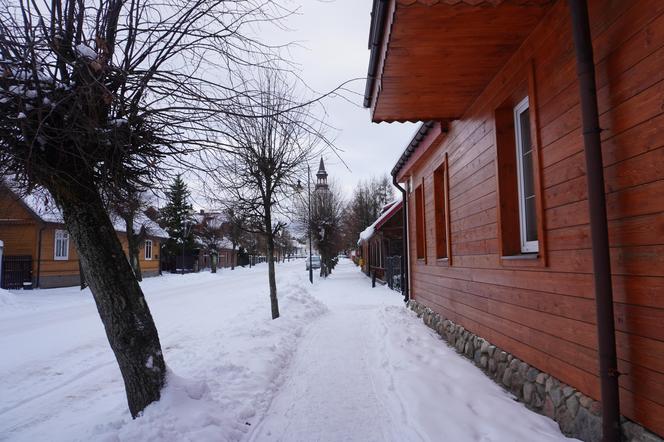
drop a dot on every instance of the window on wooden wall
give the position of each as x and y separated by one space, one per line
419 223
148 249
525 178
519 187
61 252
442 210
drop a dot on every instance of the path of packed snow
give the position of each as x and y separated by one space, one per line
344 363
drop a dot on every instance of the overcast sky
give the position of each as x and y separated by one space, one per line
331 47
334 36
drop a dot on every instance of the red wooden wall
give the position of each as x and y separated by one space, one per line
544 313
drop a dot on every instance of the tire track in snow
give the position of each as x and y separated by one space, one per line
78 377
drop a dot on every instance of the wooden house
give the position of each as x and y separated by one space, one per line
382 241
38 251
505 244
209 230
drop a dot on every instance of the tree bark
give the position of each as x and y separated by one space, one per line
213 262
133 248
233 257
124 312
84 284
274 302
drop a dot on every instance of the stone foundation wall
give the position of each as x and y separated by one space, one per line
577 415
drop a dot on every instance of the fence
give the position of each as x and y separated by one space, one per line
16 272
179 264
393 272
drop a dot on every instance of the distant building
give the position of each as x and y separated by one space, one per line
38 251
226 255
381 245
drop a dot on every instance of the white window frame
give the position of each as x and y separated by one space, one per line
526 246
59 237
145 251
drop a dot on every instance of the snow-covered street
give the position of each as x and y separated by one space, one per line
345 362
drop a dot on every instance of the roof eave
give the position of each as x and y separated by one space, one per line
428 134
376 36
23 204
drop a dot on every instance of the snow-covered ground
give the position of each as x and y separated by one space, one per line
343 363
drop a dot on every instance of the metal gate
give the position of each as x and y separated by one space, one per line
16 270
393 272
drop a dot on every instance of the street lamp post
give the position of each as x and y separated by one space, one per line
311 267
299 189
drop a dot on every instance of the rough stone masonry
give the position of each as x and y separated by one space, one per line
577 415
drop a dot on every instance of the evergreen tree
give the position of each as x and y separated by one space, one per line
177 219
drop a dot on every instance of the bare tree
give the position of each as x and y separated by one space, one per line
129 206
98 96
267 151
325 224
234 229
364 207
284 243
210 233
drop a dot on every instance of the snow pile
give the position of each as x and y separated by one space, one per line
243 368
474 407
186 411
7 299
86 51
226 356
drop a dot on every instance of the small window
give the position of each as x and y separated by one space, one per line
441 203
525 178
419 223
61 252
148 249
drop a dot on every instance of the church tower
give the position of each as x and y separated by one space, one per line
321 178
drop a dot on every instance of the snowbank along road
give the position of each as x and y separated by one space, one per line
345 362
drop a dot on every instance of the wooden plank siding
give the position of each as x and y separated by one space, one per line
545 315
20 232
52 267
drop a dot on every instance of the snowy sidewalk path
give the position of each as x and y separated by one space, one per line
369 370
344 362
330 393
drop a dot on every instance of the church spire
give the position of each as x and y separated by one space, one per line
321 177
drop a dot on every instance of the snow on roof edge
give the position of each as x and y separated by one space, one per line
41 203
386 212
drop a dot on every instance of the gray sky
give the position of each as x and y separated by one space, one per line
330 47
334 36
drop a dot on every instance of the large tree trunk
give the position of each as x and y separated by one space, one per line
233 257
122 307
133 247
270 264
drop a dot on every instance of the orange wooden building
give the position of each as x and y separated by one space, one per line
37 247
499 230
